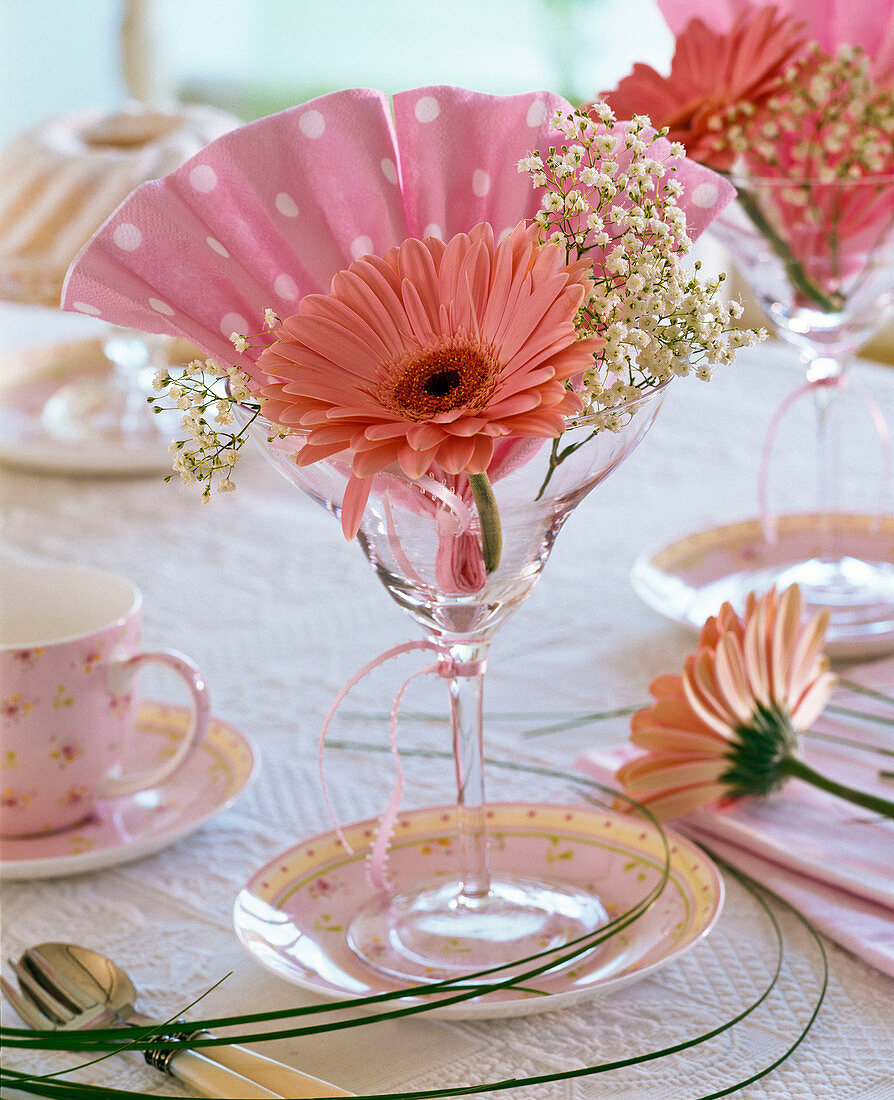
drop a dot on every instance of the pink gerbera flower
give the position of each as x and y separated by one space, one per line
712 70
424 357
729 725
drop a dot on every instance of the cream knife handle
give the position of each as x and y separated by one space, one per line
209 1078
284 1080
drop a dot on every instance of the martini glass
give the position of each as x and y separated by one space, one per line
423 539
819 258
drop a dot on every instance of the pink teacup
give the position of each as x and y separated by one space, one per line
69 653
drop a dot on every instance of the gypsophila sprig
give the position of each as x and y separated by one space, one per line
206 392
829 122
610 196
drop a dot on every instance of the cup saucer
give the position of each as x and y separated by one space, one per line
128 828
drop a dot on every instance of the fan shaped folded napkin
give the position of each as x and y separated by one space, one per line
830 859
271 211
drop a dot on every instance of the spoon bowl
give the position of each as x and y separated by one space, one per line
84 977
82 981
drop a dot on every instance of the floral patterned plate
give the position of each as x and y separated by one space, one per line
292 914
125 829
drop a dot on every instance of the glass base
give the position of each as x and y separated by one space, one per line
113 407
434 932
689 579
92 410
859 595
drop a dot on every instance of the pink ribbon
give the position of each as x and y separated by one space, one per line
841 381
447 668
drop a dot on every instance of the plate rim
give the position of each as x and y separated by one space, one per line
73 863
721 537
483 1009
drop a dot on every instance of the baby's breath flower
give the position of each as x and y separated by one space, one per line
657 318
207 393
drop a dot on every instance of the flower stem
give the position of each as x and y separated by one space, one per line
797 769
489 515
794 269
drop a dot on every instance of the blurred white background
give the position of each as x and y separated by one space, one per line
257 56
252 57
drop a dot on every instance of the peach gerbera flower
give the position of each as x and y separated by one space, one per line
427 355
710 72
729 725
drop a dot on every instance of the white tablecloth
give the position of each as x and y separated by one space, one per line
260 589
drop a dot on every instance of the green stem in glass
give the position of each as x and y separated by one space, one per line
797 769
793 268
489 516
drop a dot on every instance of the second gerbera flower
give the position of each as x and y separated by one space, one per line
425 356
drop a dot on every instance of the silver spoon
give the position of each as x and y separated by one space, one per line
86 979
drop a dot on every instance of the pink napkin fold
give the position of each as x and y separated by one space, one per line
829 858
271 211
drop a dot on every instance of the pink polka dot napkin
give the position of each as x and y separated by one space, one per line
271 211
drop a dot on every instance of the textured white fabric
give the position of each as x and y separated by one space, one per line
262 592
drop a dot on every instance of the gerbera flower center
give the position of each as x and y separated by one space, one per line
446 378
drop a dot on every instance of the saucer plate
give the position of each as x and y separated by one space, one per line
128 828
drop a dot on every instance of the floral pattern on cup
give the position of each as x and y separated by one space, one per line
67 706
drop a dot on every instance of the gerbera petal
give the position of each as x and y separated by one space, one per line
309 454
481 455
807 652
667 686
366 463
354 504
675 712
755 651
663 770
785 637
812 703
698 686
730 678
659 739
415 463
424 436
667 805
454 452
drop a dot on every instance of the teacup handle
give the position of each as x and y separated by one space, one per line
201 714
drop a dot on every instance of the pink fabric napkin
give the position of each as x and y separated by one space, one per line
829 858
271 211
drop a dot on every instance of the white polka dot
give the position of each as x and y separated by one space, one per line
427 108
480 182
285 204
286 287
705 195
233 322
361 246
85 307
203 177
433 230
217 246
127 236
389 170
312 124
536 114
161 307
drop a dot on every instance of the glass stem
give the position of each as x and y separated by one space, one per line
466 690
827 397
